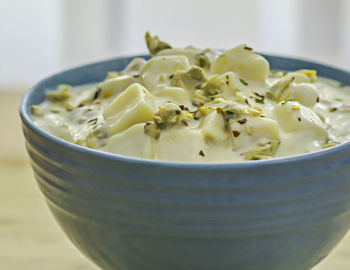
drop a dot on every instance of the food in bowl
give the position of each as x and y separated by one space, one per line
194 105
130 213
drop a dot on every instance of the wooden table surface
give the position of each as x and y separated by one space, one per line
29 236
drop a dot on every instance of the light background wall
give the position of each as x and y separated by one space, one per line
41 37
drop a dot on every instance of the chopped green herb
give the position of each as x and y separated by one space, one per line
36 110
276 74
212 87
202 60
338 99
167 116
256 158
93 121
151 129
61 94
188 79
262 116
264 152
243 82
238 90
285 73
230 112
286 101
341 85
259 100
278 88
155 45
258 95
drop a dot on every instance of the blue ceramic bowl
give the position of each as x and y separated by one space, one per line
127 213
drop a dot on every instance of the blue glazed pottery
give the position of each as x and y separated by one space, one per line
135 214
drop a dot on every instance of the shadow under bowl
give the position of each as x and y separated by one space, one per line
127 213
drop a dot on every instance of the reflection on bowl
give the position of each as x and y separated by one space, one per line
128 213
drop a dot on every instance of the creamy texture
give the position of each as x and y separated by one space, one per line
192 105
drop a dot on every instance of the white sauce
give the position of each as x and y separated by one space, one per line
232 108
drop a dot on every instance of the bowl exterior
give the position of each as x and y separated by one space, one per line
127 213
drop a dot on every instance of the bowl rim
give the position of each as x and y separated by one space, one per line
27 121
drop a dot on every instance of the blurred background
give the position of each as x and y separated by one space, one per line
41 37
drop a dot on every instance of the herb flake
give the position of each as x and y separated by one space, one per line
243 82
236 133
98 91
93 121
242 121
248 48
259 100
286 101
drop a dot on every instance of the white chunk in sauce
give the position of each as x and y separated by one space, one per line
192 105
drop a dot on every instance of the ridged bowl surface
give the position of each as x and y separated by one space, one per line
134 214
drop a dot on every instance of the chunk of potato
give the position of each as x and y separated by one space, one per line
134 67
243 61
131 142
59 128
115 86
298 77
231 84
201 58
190 53
310 73
191 141
159 68
296 86
213 127
134 105
263 128
294 117
81 96
174 94
305 93
251 131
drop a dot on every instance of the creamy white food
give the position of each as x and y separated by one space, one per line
193 105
